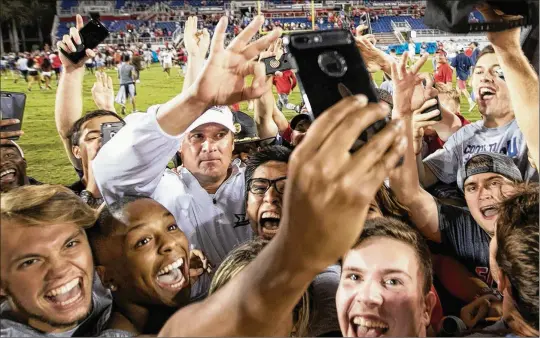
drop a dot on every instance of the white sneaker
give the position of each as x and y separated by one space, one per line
138 81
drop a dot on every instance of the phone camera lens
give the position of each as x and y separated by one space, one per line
317 38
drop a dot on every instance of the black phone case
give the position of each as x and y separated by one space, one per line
108 130
331 70
435 107
272 65
92 34
12 107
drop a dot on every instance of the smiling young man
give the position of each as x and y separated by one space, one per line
47 274
487 177
143 257
13 167
497 132
386 280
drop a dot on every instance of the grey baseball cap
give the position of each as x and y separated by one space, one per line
491 163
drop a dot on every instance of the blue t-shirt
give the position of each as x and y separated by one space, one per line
462 63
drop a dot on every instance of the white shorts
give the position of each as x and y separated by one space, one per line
167 65
46 74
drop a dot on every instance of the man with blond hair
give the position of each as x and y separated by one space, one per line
47 273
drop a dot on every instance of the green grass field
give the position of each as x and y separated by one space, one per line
47 161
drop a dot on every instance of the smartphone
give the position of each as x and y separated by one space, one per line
272 65
435 107
12 107
329 67
108 130
92 34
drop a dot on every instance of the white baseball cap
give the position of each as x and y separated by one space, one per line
217 114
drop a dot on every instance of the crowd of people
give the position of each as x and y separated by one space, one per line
270 227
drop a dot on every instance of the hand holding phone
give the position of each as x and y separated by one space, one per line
329 68
81 40
12 111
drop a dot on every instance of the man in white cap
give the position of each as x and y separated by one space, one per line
207 193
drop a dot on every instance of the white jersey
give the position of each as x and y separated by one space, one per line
22 63
147 55
166 57
135 161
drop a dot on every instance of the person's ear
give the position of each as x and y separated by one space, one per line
2 292
76 150
107 280
430 300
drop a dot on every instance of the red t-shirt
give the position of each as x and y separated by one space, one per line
56 63
435 143
443 73
286 83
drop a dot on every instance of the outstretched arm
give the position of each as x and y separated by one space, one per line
69 103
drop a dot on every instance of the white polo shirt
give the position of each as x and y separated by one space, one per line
134 162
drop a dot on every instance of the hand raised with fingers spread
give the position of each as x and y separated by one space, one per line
196 41
67 45
223 79
409 92
5 135
103 92
322 172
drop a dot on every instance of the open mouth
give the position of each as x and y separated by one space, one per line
269 222
489 211
66 295
369 327
486 93
8 175
173 276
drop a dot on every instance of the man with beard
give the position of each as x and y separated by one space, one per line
498 131
386 283
143 257
47 274
208 192
13 167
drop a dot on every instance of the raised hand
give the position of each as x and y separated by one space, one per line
67 45
103 92
422 121
196 41
508 39
5 135
409 92
328 189
374 58
223 79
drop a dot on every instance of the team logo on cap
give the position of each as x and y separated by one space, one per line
237 127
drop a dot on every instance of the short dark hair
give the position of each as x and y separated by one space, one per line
517 256
475 43
486 50
393 50
394 229
75 132
266 154
125 57
104 225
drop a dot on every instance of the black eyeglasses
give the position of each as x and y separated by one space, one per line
259 186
